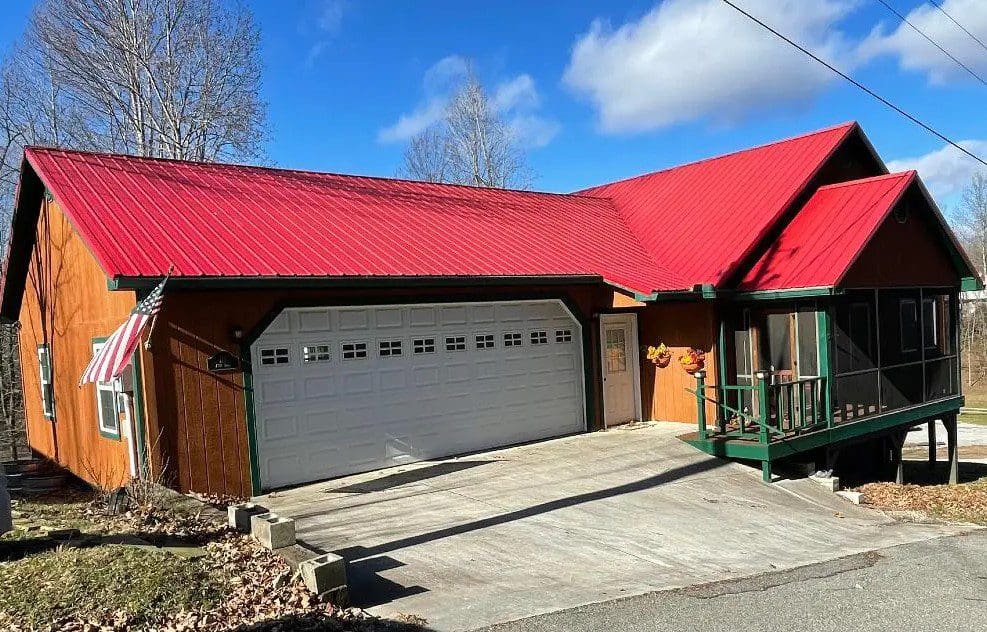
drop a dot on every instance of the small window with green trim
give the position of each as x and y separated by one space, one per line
106 404
47 393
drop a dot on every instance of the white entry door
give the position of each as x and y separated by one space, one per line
618 336
340 390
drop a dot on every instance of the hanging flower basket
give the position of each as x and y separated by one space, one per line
659 356
692 360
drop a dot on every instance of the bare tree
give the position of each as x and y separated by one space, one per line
472 144
970 219
164 78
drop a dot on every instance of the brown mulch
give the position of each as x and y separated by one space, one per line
966 502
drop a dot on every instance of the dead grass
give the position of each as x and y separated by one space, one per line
966 502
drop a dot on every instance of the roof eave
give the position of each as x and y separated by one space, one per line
341 282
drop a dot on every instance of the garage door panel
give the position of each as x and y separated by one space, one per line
337 400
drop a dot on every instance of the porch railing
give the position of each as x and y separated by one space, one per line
765 410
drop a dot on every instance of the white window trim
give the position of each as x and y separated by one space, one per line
102 387
44 358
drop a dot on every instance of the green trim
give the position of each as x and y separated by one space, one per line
721 370
674 295
707 291
971 284
370 282
139 418
824 336
772 295
248 402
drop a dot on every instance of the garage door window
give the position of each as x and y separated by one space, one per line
274 355
539 337
484 341
315 353
563 335
423 345
354 350
455 343
388 348
512 339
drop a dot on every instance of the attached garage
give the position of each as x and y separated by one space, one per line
340 390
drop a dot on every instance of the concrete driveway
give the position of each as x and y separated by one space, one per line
502 535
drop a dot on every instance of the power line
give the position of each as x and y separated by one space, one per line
859 85
933 42
938 5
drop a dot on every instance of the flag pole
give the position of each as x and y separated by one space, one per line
154 319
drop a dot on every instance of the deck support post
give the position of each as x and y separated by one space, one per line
766 471
700 376
932 444
897 443
952 450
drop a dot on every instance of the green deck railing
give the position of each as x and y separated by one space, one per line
774 410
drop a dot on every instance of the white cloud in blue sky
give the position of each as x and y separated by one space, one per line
917 54
947 170
329 20
516 99
692 59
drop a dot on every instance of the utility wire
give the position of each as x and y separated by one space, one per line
859 85
932 41
938 5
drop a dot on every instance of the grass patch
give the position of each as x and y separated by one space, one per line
104 582
973 418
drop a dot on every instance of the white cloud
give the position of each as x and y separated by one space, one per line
692 59
947 170
515 99
329 21
915 53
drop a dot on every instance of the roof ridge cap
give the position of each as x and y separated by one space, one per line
908 173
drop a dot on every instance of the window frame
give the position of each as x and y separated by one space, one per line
47 392
360 350
103 387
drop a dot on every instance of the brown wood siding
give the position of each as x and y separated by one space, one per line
905 254
197 418
79 308
680 326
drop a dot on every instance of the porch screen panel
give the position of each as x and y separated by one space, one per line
856 388
808 343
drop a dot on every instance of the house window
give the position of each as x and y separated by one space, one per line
512 339
423 345
484 341
106 404
47 394
354 350
455 343
388 348
315 353
274 355
539 337
563 335
908 320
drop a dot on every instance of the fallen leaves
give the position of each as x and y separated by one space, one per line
966 502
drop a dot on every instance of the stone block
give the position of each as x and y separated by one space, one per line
272 531
239 515
326 575
832 483
854 497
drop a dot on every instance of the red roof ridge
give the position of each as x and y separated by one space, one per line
909 173
289 170
848 126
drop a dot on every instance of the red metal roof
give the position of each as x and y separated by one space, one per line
700 220
139 216
822 241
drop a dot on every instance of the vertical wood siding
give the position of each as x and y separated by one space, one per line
80 309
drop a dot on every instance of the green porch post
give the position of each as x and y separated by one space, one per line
932 443
952 450
700 376
825 363
762 415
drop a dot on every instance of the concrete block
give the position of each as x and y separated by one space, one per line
239 515
854 497
272 531
326 575
832 483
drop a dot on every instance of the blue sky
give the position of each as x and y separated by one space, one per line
600 91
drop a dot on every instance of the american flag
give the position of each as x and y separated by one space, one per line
108 363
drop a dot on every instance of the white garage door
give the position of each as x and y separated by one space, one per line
350 389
